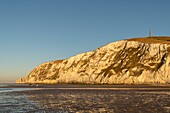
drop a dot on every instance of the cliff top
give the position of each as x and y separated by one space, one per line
153 39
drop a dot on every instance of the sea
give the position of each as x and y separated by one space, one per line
74 98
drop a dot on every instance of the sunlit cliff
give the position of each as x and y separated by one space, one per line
131 61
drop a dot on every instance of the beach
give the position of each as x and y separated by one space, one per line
69 98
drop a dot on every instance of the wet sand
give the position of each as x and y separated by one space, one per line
86 98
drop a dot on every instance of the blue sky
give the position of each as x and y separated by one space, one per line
37 31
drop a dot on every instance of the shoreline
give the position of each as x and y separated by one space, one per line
89 87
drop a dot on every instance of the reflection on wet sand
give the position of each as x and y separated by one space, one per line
85 101
75 101
101 101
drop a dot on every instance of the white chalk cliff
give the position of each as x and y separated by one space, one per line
133 61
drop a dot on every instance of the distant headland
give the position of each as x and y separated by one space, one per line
130 61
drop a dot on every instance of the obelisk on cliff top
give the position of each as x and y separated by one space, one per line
150 34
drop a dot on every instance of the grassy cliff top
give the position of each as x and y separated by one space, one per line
153 39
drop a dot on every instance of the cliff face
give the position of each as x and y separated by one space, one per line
121 62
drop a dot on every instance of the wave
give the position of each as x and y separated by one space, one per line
5 89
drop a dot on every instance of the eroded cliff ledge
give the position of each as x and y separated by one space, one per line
132 61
